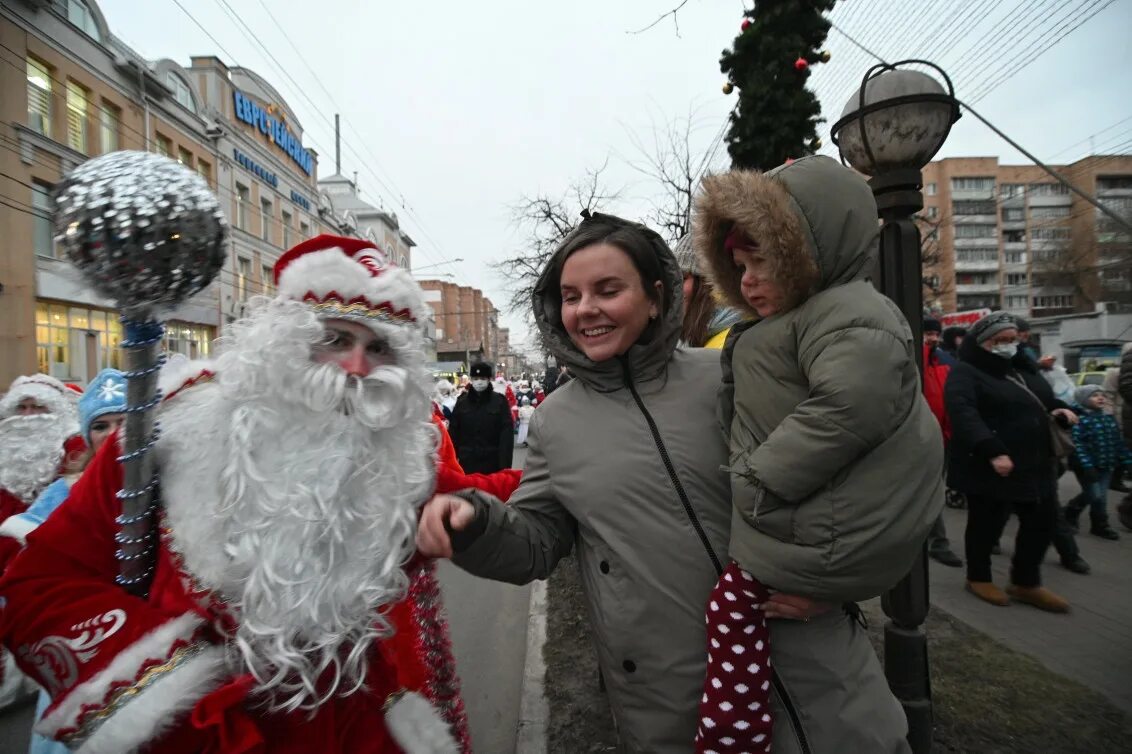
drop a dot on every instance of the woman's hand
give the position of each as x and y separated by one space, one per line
440 514
1003 465
793 607
1065 414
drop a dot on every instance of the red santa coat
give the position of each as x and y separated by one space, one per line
124 672
935 377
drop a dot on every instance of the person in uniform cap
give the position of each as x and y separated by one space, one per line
481 426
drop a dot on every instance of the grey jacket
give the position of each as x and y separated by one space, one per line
836 459
624 463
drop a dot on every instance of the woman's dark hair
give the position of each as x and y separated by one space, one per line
638 242
697 317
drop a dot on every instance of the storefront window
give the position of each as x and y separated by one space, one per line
194 341
74 342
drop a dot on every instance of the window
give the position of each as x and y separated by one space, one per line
1050 234
930 189
63 336
243 272
1014 236
205 171
194 341
185 157
267 280
973 208
976 255
1016 278
304 231
1014 257
970 278
1007 190
181 91
1017 302
1106 182
1122 205
243 196
266 216
1048 189
1013 215
1046 213
109 118
286 218
976 231
972 184
76 117
80 16
43 234
1053 302
164 145
39 97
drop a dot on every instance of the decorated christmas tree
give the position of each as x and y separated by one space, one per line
769 64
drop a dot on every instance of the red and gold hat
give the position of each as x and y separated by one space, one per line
351 279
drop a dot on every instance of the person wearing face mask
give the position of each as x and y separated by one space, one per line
481 426
1004 459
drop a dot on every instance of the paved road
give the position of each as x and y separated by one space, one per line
1091 644
489 636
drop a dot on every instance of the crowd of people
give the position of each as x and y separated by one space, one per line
734 441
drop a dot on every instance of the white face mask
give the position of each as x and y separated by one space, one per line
480 385
1005 350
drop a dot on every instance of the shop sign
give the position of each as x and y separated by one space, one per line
272 126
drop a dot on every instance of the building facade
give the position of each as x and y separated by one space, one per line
467 323
69 91
1010 237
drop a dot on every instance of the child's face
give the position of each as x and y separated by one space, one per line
762 293
1097 400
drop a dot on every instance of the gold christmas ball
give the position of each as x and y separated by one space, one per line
824 56
728 87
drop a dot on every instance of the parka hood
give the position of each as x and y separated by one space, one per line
817 218
646 359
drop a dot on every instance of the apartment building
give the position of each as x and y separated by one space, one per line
1011 237
467 323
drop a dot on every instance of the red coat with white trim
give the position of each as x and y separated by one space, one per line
126 673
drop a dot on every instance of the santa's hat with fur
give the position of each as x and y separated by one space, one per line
47 391
349 278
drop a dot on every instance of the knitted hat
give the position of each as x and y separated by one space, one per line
45 390
1083 393
686 256
349 278
991 325
106 394
932 325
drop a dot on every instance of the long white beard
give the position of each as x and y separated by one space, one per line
31 449
313 482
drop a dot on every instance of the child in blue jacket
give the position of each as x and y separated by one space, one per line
1100 450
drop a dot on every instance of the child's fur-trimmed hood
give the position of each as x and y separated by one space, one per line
815 218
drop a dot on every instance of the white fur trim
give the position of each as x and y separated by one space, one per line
125 666
154 711
331 270
48 391
17 527
417 727
179 370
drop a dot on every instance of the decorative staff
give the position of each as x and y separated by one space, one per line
147 233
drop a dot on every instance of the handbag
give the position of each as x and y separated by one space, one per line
1060 439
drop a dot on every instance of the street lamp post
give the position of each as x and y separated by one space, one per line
889 130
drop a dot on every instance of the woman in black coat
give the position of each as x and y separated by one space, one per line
1002 458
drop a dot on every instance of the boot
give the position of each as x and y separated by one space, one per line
946 556
1039 597
988 592
1076 565
1104 531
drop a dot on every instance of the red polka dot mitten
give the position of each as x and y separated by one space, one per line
735 708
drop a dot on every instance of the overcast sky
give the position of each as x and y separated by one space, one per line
460 113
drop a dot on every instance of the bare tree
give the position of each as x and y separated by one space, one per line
931 255
548 219
674 170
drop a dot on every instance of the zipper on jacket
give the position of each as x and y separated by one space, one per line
671 469
779 686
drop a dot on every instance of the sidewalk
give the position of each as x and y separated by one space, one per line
1093 644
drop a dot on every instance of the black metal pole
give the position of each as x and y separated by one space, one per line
906 605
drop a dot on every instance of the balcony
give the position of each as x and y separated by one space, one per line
1013 225
974 219
964 289
972 194
1014 246
990 265
1056 200
976 243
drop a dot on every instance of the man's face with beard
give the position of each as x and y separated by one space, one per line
31 448
356 349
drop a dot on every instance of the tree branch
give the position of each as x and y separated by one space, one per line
661 18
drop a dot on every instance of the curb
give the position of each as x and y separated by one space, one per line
531 738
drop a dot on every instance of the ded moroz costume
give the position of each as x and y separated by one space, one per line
289 495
